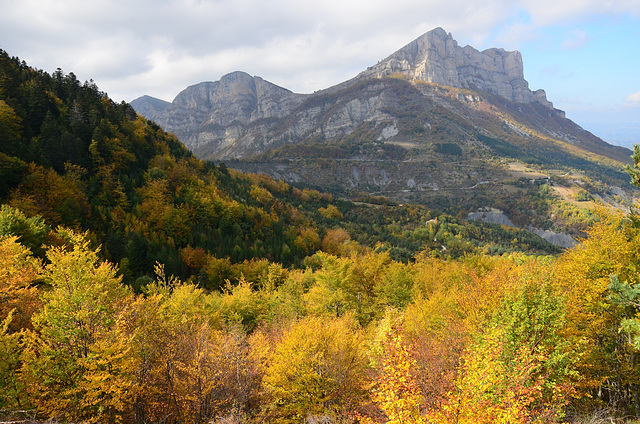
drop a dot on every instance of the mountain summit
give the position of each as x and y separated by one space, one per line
433 123
436 57
241 115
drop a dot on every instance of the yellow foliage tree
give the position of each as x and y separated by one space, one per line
11 388
608 363
79 310
316 369
397 392
18 274
108 386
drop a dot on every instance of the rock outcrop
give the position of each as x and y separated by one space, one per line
436 57
491 216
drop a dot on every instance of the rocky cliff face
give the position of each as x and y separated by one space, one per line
236 97
436 57
216 113
430 92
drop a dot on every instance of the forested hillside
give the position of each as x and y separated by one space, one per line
139 284
75 158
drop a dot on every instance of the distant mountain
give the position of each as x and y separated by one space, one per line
620 134
147 105
242 115
214 115
433 123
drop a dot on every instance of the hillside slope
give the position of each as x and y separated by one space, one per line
256 301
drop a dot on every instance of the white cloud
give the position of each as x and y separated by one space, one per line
550 12
159 47
297 41
634 99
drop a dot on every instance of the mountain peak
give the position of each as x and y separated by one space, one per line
436 57
149 106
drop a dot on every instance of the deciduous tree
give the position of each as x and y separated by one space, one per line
79 310
318 368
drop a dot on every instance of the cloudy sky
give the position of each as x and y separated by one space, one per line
584 53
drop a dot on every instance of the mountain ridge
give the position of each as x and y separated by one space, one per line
433 123
240 114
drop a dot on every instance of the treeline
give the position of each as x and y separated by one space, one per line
353 337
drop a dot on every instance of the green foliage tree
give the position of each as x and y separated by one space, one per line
12 170
627 295
634 171
10 130
32 231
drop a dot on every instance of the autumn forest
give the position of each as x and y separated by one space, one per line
139 284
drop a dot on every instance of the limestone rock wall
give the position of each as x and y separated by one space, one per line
241 115
436 57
